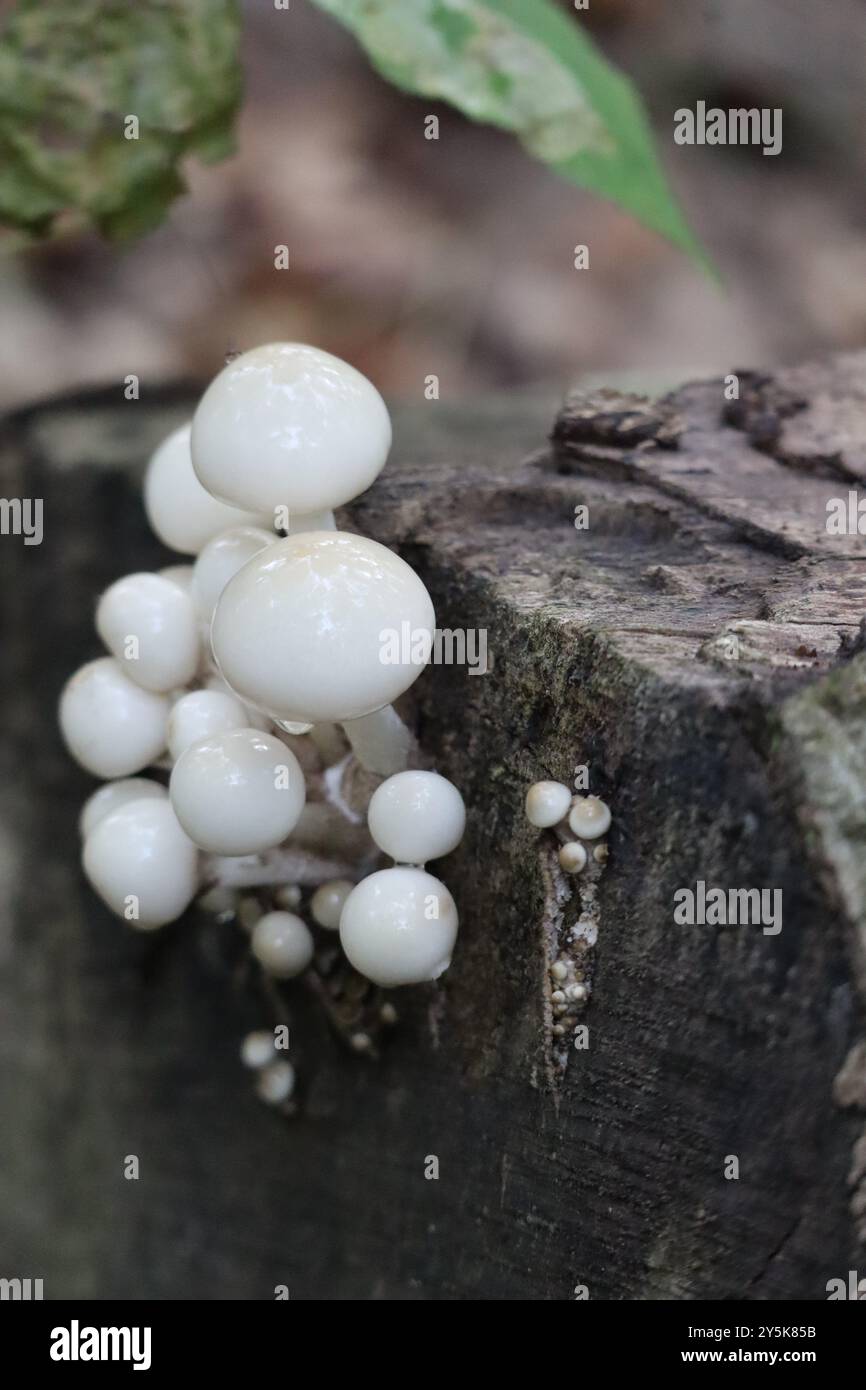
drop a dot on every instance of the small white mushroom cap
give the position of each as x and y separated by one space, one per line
547 803
326 904
289 425
220 559
180 511
141 863
288 896
238 792
399 926
572 857
257 1049
161 618
298 631
416 816
111 725
114 795
275 1082
199 714
282 944
589 817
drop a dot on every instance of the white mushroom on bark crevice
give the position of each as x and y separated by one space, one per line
570 870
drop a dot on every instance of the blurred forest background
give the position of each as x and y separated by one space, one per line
455 257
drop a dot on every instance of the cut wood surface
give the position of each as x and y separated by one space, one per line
698 646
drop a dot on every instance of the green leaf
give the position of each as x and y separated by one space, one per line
524 66
72 71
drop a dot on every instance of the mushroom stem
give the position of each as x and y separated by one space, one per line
274 867
381 741
311 521
330 743
325 829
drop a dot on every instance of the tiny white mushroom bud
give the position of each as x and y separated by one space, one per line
141 863
114 795
149 624
220 560
576 993
282 944
416 816
547 803
200 714
275 1083
559 970
288 897
572 857
257 1050
589 817
112 726
238 792
327 902
557 997
289 425
181 512
298 632
399 927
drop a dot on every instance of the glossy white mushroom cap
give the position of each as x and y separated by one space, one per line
282 944
299 630
199 714
547 803
238 792
289 425
149 625
181 512
572 857
398 927
326 904
416 816
111 726
220 559
589 817
141 863
114 795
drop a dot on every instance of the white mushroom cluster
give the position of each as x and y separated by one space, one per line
243 690
552 806
579 824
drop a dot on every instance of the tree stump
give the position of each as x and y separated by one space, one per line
693 638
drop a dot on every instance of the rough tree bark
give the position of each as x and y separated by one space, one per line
698 647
